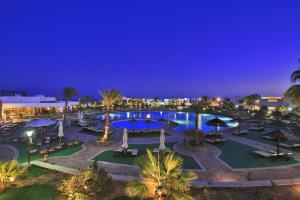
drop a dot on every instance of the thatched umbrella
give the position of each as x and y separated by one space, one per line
277 135
148 121
133 121
291 116
216 122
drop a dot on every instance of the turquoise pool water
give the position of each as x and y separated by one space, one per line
139 124
186 120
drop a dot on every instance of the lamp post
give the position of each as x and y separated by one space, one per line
29 135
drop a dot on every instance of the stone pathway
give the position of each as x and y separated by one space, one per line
214 169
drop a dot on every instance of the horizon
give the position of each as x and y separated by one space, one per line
168 49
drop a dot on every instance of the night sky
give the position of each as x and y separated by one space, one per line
149 48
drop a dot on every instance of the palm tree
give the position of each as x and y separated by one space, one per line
9 171
197 109
161 178
293 93
110 98
251 100
69 93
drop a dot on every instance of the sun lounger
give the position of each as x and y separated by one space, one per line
289 145
215 141
268 137
133 152
156 150
240 133
264 154
118 151
257 128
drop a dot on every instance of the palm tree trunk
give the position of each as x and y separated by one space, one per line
65 111
106 127
197 129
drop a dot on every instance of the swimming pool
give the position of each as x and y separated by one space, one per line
139 124
185 120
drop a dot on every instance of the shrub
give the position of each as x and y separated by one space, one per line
90 181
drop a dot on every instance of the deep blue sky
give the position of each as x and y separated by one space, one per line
148 48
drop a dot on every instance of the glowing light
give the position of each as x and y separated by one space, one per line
236 106
29 133
218 99
290 109
148 116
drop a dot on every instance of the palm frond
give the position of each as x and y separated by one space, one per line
295 76
137 189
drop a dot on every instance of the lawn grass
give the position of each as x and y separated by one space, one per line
22 148
238 155
30 192
107 156
34 171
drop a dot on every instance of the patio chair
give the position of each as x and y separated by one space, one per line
239 133
133 152
257 128
118 151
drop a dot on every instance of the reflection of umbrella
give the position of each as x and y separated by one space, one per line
162 120
216 122
162 140
60 130
148 121
133 121
125 139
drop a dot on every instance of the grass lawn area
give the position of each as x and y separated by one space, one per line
238 155
107 156
22 148
34 171
31 192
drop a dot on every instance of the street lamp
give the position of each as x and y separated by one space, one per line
29 134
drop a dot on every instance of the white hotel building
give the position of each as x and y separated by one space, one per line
22 107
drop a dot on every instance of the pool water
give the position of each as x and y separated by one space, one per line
186 120
139 124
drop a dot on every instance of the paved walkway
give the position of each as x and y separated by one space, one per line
55 167
214 169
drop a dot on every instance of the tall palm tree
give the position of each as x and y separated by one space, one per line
68 93
293 93
9 171
161 178
110 98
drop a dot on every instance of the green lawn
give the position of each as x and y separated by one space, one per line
107 156
22 148
31 192
34 171
238 155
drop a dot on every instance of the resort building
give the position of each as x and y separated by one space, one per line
271 102
23 107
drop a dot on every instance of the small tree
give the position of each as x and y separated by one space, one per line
9 171
161 177
91 181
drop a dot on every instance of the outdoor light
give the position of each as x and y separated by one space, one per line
29 134
12 179
236 106
290 109
269 112
218 99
